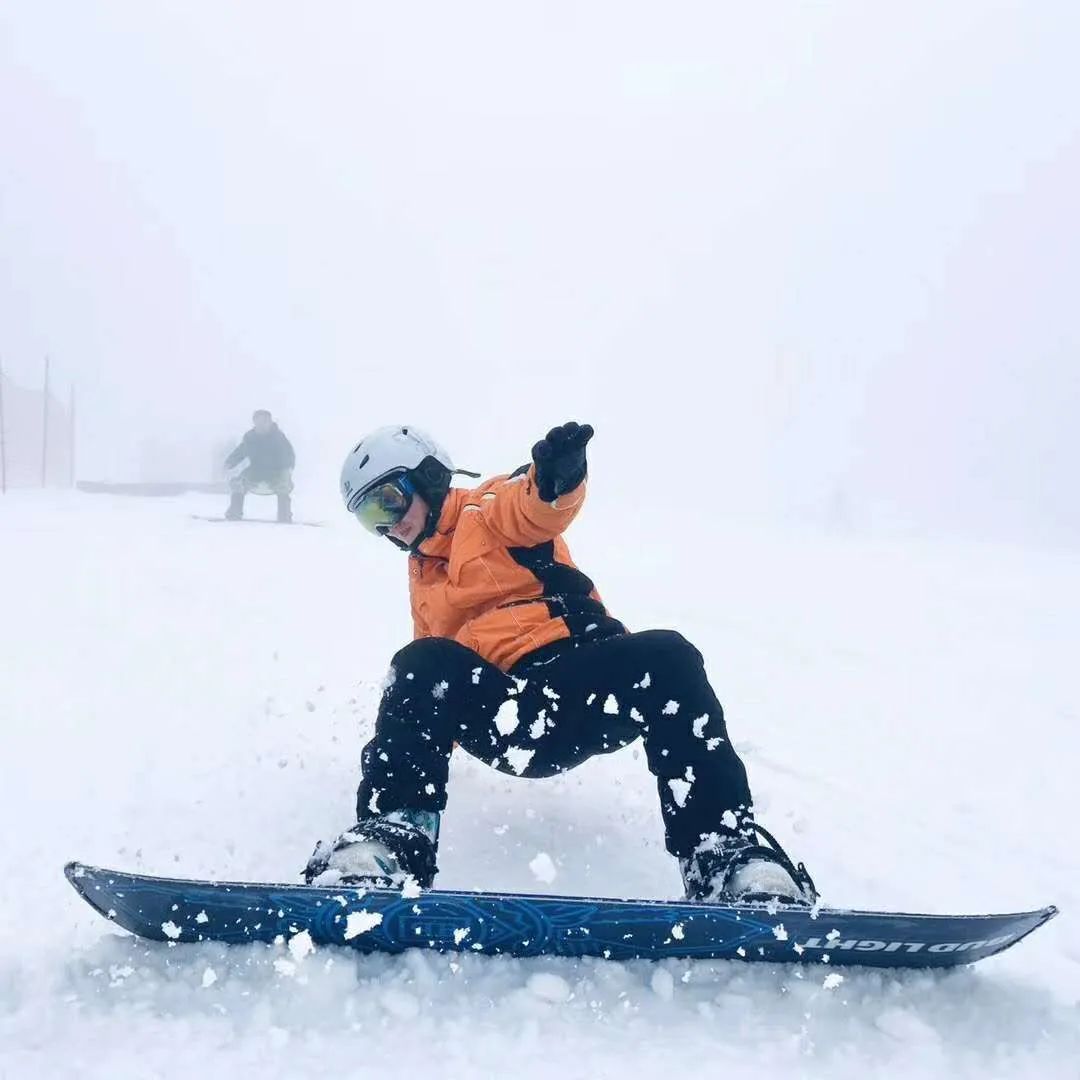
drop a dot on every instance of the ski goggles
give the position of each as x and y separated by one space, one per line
381 507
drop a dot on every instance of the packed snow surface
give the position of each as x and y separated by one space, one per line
187 698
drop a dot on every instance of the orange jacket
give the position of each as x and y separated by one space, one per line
497 576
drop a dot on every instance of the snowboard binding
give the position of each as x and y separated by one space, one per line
384 852
747 867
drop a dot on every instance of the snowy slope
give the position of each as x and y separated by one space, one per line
190 698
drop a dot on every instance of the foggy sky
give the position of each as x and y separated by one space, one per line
808 259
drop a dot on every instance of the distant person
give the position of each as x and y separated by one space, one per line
270 458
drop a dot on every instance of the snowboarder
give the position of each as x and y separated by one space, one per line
270 458
516 660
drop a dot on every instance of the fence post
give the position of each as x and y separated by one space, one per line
45 426
3 454
71 438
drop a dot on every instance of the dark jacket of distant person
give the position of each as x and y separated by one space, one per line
269 453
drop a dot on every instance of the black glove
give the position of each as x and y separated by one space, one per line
560 459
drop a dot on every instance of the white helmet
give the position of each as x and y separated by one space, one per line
385 452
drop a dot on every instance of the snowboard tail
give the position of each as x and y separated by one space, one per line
177 910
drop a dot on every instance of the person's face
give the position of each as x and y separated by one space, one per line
412 524
262 423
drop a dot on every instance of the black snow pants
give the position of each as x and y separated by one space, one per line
552 711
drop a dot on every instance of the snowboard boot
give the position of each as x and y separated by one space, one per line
236 507
737 868
284 509
383 852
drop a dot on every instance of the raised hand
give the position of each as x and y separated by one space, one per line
560 459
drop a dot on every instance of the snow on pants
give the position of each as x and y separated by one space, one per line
552 712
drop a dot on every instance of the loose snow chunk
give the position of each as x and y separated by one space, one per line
476 674
729 820
636 716
400 1003
590 699
301 945
543 868
411 889
699 726
170 930
202 917
779 932
671 708
359 922
506 719
645 683
460 935
549 693
438 691
904 1026
677 931
549 987
832 981
284 967
663 985
518 758
539 725
209 977
429 789
680 789
611 705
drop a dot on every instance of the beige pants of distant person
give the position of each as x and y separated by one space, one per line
279 484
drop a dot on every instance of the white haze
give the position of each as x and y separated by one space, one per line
821 258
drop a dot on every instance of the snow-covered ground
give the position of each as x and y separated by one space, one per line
189 698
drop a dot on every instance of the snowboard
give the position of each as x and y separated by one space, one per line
257 521
511 924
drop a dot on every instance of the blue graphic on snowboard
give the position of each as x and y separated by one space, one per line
167 909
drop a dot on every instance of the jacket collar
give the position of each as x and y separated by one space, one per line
437 546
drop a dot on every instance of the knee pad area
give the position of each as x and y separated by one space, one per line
669 651
426 653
